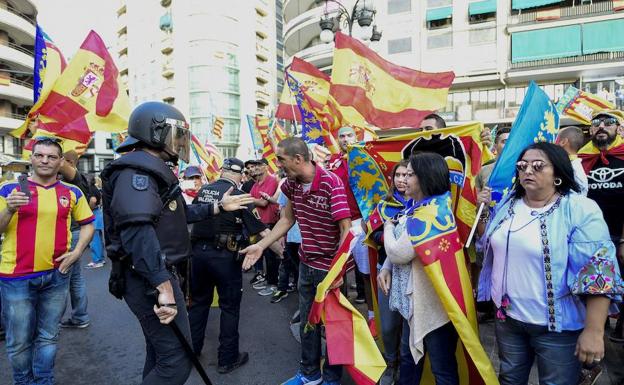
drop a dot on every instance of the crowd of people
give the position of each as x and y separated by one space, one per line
547 271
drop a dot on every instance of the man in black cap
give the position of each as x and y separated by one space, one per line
216 263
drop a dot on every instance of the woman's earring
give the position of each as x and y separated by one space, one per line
558 181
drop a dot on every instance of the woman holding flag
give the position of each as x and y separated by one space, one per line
551 271
429 284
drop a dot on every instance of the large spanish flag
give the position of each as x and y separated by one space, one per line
370 166
349 341
87 96
384 94
433 233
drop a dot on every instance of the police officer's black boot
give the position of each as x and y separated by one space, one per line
243 357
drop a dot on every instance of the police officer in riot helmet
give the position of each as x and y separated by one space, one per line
146 233
216 263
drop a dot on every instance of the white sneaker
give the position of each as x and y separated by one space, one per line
269 290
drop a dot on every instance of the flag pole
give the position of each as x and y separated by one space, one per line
474 225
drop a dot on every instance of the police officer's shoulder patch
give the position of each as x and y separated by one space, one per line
140 182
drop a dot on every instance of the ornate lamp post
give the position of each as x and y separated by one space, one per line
361 13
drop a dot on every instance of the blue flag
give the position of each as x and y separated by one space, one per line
311 130
40 62
537 121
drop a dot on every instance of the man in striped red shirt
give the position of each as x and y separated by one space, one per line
36 260
318 202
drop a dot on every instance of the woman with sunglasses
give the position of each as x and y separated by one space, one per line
551 271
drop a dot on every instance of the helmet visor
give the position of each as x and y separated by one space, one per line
179 140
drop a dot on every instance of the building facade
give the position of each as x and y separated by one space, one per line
17 39
494 47
209 59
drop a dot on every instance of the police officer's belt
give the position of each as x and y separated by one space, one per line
222 241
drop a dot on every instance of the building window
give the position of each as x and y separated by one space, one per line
438 3
440 40
109 144
399 6
482 35
400 45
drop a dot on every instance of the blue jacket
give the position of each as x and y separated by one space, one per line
582 259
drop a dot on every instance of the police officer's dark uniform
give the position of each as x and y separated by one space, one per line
146 234
216 263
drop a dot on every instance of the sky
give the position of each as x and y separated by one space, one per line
68 22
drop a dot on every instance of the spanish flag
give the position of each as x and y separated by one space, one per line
590 154
385 95
433 232
49 64
349 341
313 82
87 96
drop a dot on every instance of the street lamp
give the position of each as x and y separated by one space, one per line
362 13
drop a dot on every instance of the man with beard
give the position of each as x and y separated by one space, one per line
603 161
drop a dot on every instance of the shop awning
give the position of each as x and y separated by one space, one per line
524 4
482 7
439 13
546 43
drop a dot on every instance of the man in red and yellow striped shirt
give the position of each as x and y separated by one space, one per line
36 260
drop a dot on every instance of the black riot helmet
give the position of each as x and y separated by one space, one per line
159 126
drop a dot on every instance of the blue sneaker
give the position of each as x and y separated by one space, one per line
300 379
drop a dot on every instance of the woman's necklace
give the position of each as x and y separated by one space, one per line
535 212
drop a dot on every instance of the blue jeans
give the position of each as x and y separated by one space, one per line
518 345
77 288
311 353
97 243
391 323
31 312
440 344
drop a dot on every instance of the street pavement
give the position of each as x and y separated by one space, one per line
111 351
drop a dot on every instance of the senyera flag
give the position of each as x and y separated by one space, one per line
384 94
537 121
268 152
349 341
433 232
49 64
370 165
207 157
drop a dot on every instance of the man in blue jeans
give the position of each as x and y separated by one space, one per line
79 318
35 218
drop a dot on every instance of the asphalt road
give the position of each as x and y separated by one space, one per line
111 351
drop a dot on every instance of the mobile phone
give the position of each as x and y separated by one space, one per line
23 183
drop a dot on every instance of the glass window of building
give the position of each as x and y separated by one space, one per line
440 40
400 45
438 3
611 90
399 6
482 35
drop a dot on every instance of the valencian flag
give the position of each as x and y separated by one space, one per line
268 152
433 232
255 134
349 341
537 121
370 165
580 105
371 90
49 64
207 157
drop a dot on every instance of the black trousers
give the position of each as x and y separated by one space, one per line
166 361
216 268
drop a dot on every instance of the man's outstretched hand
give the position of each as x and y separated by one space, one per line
235 202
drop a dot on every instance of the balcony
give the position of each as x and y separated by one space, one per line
262 95
165 3
570 12
9 122
262 7
596 58
262 51
167 68
321 55
166 43
303 29
19 26
122 64
262 28
17 55
122 24
124 81
263 75
168 93
122 44
122 8
18 92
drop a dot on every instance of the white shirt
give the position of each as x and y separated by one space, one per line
579 175
525 267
